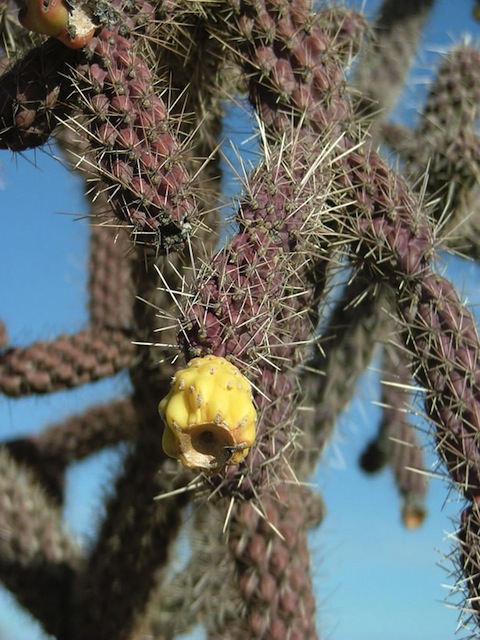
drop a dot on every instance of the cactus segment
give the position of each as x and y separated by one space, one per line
209 415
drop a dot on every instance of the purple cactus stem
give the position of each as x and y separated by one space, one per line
135 151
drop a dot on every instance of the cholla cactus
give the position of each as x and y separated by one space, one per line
250 351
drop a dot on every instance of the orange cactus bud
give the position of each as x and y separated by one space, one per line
413 514
209 415
49 17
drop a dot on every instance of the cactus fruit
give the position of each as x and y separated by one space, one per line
413 513
49 17
73 27
210 419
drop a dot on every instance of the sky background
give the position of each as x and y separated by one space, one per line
373 579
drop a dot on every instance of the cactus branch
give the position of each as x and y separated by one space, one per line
66 362
34 550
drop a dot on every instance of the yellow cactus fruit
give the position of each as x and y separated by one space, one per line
209 415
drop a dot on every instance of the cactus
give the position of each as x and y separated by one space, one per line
240 355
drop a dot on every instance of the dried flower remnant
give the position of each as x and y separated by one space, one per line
210 419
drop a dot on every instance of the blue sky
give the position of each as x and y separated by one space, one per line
374 579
